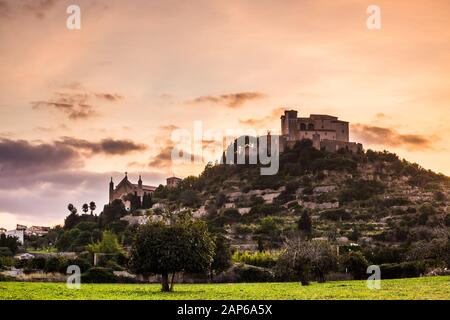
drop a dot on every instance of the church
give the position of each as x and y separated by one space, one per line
125 187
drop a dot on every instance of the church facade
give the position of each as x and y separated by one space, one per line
125 187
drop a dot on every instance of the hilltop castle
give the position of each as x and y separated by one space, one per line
326 132
125 187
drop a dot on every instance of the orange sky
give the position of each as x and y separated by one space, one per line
138 69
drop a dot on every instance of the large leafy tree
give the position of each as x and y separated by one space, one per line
307 259
9 242
163 248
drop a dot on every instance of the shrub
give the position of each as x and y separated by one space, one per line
36 264
5 252
383 255
264 259
56 264
6 262
82 263
113 265
402 270
360 190
269 226
336 215
99 275
248 273
4 278
356 264
264 210
307 260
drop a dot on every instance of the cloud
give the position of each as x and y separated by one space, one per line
390 137
106 146
36 7
23 156
163 158
273 115
77 103
233 100
169 127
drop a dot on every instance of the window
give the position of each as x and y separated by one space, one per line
302 126
310 126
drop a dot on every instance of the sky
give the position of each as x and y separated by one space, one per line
80 106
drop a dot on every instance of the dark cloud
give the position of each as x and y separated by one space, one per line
105 146
74 111
232 100
77 103
23 156
390 137
163 159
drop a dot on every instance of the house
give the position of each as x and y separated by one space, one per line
37 231
19 234
173 181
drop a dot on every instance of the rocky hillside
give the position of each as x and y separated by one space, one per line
373 199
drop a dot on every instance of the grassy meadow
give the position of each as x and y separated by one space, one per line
436 288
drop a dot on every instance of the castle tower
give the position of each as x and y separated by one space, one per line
288 123
140 182
111 190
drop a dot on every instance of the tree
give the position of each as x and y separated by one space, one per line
189 198
112 212
307 259
147 201
182 246
85 208
67 239
222 255
71 220
92 207
9 242
109 244
305 223
355 263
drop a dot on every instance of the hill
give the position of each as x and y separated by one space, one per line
372 199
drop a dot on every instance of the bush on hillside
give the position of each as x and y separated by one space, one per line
98 275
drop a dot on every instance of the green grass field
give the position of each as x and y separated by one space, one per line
414 288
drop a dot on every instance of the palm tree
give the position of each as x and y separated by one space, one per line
72 208
92 207
85 208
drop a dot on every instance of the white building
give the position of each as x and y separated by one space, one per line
19 234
